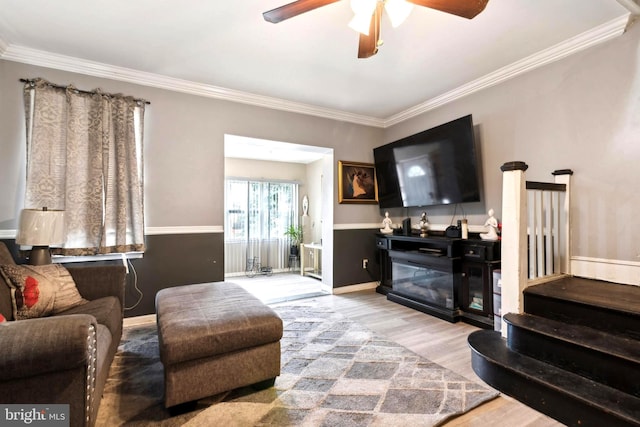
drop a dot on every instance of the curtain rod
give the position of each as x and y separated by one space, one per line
91 92
273 181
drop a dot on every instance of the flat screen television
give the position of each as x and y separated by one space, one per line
438 166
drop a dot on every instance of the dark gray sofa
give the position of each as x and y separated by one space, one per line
63 359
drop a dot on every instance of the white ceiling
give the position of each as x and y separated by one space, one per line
243 147
307 63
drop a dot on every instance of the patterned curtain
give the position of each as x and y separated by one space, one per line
257 214
84 156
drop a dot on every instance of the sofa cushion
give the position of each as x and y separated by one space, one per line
5 255
6 308
40 290
106 310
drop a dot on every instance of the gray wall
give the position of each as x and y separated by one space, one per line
580 113
170 260
184 167
184 146
354 246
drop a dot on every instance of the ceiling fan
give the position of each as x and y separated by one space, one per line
368 14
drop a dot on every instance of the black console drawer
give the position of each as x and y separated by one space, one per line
473 252
382 243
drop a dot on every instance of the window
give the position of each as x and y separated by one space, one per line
84 156
257 214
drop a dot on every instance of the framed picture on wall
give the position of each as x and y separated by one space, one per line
357 182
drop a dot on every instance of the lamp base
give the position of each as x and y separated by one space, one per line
40 255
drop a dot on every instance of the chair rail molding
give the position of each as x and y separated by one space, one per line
199 229
151 231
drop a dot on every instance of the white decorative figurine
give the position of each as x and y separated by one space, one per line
492 227
424 225
386 224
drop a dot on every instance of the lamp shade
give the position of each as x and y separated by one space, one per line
41 227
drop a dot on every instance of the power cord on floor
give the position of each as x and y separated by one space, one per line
131 268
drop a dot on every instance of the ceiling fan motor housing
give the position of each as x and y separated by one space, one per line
397 10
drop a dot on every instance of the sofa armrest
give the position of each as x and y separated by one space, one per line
49 344
100 281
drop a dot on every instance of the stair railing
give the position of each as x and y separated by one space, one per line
536 225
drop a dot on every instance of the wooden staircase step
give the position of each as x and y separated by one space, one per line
604 357
601 305
563 395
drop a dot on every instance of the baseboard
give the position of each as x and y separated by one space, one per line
139 320
354 288
625 272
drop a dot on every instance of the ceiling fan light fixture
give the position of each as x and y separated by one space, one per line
368 14
363 6
398 11
360 23
363 10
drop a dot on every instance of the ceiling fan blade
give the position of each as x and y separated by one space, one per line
294 9
464 8
368 45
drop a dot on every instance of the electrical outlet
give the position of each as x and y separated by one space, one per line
365 263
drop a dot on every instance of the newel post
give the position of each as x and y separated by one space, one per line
514 238
563 176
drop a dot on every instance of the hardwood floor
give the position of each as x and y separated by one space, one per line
280 287
438 340
441 342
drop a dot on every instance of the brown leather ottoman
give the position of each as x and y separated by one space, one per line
215 337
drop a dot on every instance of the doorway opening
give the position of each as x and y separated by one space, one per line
270 186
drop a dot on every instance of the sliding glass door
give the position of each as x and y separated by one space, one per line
257 213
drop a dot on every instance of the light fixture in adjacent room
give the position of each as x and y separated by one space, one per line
41 229
398 11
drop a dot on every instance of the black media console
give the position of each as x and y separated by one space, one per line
446 277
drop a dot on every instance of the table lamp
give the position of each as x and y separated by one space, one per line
41 229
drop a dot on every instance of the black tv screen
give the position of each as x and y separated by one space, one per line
438 166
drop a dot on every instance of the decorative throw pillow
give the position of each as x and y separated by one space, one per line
40 290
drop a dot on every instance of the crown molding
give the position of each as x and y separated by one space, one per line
631 5
597 35
600 34
3 47
41 58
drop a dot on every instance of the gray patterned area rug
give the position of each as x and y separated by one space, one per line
335 372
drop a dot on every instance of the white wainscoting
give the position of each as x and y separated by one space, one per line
625 272
272 253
